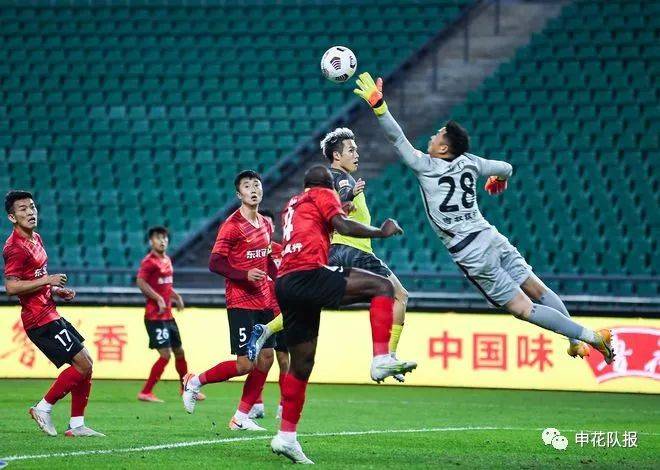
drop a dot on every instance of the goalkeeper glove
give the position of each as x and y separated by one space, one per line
371 92
495 185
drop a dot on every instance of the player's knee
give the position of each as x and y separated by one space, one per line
165 354
401 296
384 288
283 361
178 353
244 365
266 358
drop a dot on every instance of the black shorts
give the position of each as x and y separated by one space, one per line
280 342
58 340
302 294
241 322
163 334
350 257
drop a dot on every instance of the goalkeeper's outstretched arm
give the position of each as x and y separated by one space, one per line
372 93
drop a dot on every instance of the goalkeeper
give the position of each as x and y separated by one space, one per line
447 177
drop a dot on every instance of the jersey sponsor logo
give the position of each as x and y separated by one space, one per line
165 280
344 184
42 271
255 254
292 248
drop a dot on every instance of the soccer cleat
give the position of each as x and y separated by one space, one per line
44 420
82 431
604 346
388 366
190 394
291 450
257 411
150 397
579 349
200 395
399 378
257 339
245 425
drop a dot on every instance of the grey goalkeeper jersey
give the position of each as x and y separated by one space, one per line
448 187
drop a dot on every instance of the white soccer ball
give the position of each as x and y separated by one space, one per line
338 64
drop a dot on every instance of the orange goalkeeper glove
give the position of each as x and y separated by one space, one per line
371 92
495 185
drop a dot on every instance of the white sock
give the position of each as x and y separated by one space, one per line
43 405
240 416
195 383
288 436
76 421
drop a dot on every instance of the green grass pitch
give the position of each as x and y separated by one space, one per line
342 426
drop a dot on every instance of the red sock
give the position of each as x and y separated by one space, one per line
80 397
156 371
64 383
219 373
254 385
281 382
181 366
381 315
293 399
260 398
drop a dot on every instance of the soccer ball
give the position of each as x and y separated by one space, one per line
338 64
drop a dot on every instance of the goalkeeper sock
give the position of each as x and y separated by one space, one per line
553 320
394 337
552 300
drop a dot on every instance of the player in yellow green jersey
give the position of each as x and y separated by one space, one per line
340 149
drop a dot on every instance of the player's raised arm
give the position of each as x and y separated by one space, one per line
498 173
372 93
352 228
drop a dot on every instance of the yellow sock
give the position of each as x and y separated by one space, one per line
394 337
276 324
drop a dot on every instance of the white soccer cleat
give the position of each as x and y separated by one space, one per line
245 425
82 431
257 412
291 450
189 395
387 366
44 420
399 378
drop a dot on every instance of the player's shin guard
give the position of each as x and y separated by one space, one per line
254 385
219 373
293 399
65 382
154 376
381 314
553 320
80 397
552 300
394 337
181 367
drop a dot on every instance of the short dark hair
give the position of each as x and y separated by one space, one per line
318 176
267 213
458 138
15 195
246 174
334 141
157 230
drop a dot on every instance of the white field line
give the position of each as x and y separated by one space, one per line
177 445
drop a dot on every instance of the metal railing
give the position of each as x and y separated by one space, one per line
429 290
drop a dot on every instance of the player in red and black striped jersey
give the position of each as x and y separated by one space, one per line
26 276
155 278
281 351
241 255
